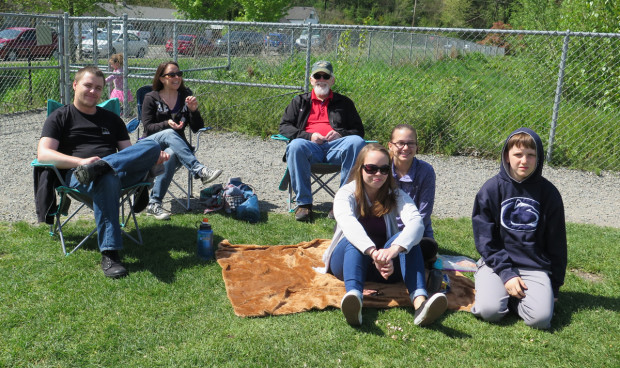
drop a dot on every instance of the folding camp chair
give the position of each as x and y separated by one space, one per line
321 174
66 193
187 191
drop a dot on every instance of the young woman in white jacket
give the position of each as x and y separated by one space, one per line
367 245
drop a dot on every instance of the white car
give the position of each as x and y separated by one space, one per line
135 46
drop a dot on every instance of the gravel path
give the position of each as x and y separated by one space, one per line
588 198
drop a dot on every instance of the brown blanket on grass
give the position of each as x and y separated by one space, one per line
274 280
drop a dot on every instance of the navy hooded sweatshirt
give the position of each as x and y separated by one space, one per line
520 224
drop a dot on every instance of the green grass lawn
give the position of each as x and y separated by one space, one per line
172 311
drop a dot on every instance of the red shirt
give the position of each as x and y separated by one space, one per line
318 120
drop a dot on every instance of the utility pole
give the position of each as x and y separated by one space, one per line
415 5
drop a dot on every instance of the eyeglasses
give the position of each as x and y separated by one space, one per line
372 169
173 74
319 76
401 145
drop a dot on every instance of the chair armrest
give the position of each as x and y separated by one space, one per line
198 133
37 164
280 137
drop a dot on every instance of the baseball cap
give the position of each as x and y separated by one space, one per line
323 66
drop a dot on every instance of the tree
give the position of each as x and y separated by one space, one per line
73 7
250 10
264 10
455 13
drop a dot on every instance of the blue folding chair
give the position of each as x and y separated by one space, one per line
66 194
184 198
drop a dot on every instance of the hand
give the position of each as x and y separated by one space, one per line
386 254
174 125
192 103
88 160
163 157
386 269
332 135
515 287
317 138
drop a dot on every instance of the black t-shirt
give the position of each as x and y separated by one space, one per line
82 135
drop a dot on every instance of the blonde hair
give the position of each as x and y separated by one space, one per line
116 58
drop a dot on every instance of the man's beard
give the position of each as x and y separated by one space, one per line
321 90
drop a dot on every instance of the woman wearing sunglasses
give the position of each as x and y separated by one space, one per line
367 245
166 112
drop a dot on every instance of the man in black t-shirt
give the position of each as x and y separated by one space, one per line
94 144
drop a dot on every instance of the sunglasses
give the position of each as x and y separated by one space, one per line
372 169
173 74
319 76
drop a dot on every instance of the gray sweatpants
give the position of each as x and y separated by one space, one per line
492 299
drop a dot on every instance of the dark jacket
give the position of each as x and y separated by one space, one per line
343 117
521 224
155 115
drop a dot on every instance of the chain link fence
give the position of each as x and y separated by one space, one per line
464 90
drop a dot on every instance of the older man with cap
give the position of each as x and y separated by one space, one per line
324 127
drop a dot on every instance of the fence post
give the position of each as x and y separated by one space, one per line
61 52
558 97
392 49
369 44
175 41
411 48
308 50
125 66
67 56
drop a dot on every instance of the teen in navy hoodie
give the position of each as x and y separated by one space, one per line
520 233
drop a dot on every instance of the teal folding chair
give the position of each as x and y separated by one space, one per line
321 175
66 194
186 191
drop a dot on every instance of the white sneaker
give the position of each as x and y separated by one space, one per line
351 306
155 209
207 175
431 309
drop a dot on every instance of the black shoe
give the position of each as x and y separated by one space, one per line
111 264
430 310
86 174
140 200
303 213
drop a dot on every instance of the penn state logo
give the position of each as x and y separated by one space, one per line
520 214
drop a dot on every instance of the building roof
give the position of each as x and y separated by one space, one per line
134 11
301 14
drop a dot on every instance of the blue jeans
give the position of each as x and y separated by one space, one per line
180 154
353 267
302 153
130 166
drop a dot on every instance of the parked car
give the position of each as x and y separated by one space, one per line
240 42
302 41
135 46
189 44
21 42
277 41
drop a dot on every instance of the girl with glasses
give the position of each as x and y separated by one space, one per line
367 245
416 178
166 112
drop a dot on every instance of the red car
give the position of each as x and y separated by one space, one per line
21 42
192 45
